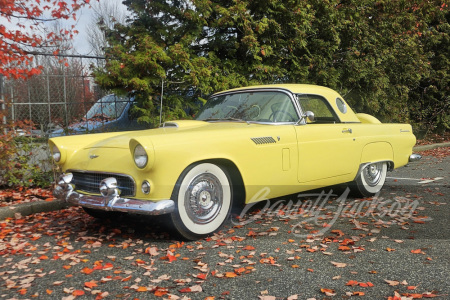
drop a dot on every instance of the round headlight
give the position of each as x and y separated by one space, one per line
56 154
140 156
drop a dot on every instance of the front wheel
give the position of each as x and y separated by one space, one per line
203 198
370 180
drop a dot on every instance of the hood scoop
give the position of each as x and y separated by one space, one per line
183 124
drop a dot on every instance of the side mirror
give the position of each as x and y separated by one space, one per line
309 115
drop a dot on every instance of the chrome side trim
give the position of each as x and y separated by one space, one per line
113 202
415 157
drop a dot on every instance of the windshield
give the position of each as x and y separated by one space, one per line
266 106
107 108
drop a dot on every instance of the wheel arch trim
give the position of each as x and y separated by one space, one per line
234 173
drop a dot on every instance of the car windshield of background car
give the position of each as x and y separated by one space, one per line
109 107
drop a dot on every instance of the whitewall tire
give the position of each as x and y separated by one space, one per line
203 197
370 179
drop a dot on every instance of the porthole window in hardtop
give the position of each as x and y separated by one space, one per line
341 105
323 112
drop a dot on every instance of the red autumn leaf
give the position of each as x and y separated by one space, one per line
141 289
171 258
363 284
78 293
22 291
202 276
429 295
248 248
328 292
344 248
230 274
416 251
337 232
251 233
352 283
161 292
15 43
87 271
90 284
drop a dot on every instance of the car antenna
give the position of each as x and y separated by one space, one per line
160 106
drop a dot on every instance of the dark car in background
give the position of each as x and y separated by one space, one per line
110 113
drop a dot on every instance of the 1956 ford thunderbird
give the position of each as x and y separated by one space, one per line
284 139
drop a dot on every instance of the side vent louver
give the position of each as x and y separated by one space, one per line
263 140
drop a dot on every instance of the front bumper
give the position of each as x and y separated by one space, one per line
111 201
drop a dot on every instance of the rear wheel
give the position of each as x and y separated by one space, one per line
203 198
370 180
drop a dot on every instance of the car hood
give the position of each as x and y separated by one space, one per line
174 132
172 135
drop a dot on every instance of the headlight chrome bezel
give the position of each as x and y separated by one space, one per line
56 154
140 156
145 187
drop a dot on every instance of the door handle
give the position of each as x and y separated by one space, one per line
347 130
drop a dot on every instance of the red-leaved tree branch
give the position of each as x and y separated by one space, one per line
26 31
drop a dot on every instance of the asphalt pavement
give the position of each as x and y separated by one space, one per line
324 248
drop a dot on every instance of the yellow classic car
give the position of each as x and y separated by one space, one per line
280 139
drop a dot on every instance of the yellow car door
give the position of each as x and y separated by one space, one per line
326 147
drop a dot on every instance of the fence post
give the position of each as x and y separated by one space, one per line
2 104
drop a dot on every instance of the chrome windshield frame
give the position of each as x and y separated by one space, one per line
291 96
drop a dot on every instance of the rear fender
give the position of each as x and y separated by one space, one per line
378 152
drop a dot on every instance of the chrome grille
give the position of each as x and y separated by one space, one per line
90 181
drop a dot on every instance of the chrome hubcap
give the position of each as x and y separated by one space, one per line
372 173
203 198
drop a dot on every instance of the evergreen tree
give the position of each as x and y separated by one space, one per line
375 53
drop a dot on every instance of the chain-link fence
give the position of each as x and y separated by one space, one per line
62 94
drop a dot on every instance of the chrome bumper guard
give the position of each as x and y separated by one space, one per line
415 157
110 199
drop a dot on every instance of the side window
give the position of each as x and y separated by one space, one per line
322 110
